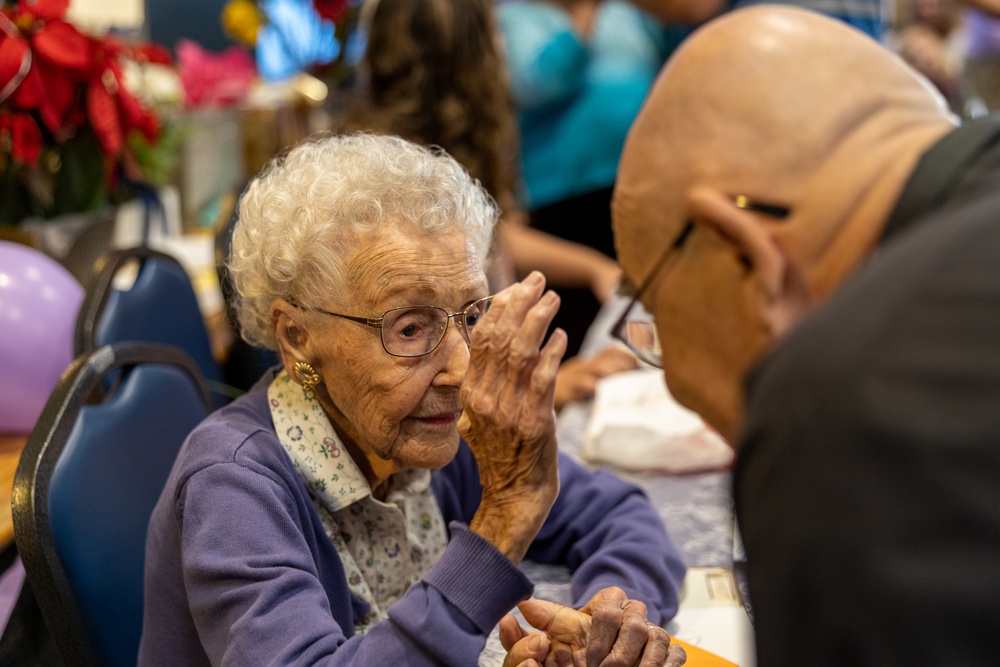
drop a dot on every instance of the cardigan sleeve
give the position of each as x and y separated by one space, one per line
609 534
601 527
256 594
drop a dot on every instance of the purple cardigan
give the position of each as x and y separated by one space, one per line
239 569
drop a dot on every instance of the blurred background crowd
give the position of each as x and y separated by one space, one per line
176 105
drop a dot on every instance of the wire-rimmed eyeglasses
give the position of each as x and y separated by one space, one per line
638 331
414 331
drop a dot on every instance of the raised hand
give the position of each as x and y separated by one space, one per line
508 417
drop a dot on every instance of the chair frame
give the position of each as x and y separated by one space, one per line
100 289
96 298
30 508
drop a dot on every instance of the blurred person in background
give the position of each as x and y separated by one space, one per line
579 71
981 73
928 35
432 73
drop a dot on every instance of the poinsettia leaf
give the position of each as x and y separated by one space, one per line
12 53
153 53
29 94
158 160
26 138
134 116
62 44
109 47
77 115
44 9
60 95
80 183
103 113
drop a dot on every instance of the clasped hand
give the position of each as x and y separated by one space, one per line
611 630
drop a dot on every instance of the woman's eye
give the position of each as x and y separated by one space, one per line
409 329
415 323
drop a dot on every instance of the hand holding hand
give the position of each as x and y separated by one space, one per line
562 641
615 632
621 635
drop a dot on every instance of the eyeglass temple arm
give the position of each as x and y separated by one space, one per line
374 322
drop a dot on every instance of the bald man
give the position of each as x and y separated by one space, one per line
820 247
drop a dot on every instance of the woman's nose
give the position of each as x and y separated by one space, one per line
453 355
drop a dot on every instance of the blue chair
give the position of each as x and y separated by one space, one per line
160 307
91 473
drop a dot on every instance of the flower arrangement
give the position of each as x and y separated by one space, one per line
289 36
72 134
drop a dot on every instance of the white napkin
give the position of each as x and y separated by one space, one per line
636 425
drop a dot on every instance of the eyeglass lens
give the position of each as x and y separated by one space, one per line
638 332
413 332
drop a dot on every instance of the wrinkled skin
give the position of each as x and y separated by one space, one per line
609 631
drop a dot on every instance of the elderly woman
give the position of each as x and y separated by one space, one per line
334 515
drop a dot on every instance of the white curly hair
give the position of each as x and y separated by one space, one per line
301 219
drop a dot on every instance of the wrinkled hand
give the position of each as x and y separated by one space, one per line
578 377
562 641
531 650
619 635
508 417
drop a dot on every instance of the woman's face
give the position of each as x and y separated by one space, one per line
399 412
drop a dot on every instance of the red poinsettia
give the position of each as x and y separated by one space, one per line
21 130
42 60
113 111
331 10
69 127
68 78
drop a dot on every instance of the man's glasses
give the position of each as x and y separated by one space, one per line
413 331
635 327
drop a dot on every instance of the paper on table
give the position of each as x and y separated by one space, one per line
712 617
636 424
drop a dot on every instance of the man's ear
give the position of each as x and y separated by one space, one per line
289 332
777 275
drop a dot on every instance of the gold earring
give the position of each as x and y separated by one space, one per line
307 377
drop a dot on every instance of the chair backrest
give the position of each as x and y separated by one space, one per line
160 307
91 473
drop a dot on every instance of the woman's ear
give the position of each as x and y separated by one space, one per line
775 272
289 332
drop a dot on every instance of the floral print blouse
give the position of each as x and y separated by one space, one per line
385 547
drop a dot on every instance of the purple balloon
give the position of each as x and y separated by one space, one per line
39 302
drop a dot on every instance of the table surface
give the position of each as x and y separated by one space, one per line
11 446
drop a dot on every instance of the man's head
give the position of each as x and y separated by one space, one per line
792 111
